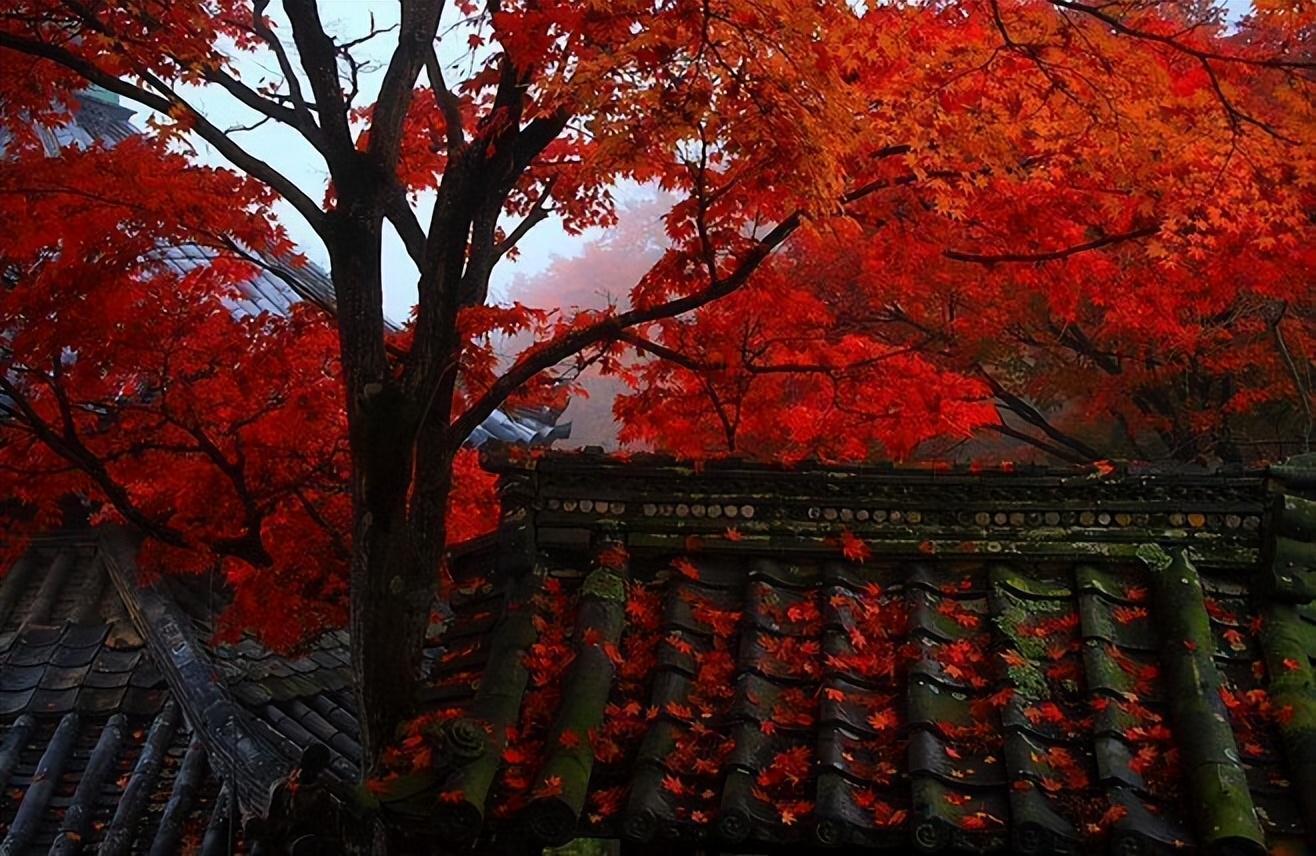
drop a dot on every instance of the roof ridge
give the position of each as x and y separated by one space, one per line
249 762
593 457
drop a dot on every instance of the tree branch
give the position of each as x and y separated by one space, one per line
70 448
1119 26
1304 397
538 213
400 214
319 59
697 369
1054 451
555 351
1053 255
262 29
165 103
267 108
1033 416
448 103
420 24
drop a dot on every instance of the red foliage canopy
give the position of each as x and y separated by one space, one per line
985 205
220 434
1102 251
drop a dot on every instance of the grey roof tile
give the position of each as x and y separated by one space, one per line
53 701
15 678
13 703
95 700
63 678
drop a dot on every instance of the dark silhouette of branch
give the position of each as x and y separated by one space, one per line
1052 450
1100 13
164 103
1051 255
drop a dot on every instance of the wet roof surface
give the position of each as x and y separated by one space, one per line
1029 662
95 754
1032 662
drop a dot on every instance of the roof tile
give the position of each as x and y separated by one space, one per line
948 700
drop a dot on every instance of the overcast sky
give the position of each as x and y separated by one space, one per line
284 149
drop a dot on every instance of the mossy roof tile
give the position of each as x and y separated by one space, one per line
931 695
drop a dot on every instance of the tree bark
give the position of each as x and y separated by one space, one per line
392 585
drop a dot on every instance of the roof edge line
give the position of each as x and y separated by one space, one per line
246 759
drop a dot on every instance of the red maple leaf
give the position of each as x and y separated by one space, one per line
1129 614
854 548
685 568
679 710
613 557
674 785
1045 713
550 787
881 720
1112 816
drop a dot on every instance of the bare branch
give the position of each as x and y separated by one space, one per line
319 58
538 213
264 106
1052 450
262 29
1034 417
1304 396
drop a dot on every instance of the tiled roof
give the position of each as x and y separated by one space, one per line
95 754
1032 661
294 701
126 729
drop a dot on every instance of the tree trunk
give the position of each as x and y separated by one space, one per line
392 584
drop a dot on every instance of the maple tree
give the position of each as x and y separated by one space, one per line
971 167
1161 307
